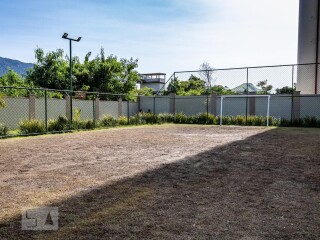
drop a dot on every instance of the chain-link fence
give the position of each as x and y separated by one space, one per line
291 90
280 79
27 111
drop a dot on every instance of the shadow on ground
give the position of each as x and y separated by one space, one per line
263 187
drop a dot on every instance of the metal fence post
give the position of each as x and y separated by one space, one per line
154 105
247 92
128 111
71 111
46 109
221 111
174 100
292 95
207 120
94 110
120 106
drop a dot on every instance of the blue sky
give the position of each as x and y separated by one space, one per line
165 35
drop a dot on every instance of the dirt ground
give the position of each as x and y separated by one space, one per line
165 182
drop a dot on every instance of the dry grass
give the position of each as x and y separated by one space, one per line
175 182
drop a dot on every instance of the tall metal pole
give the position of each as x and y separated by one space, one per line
70 62
46 109
65 36
247 97
221 111
71 88
292 94
70 79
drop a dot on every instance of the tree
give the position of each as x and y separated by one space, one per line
104 74
50 71
13 81
286 90
266 89
221 90
206 71
174 86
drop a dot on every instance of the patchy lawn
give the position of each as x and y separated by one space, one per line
173 182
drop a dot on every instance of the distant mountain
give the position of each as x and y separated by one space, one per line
19 67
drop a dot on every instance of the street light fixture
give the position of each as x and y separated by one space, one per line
65 36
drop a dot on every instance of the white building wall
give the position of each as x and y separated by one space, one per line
307 46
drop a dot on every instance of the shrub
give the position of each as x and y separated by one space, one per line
226 120
89 124
149 118
123 120
211 119
165 118
259 121
32 126
273 121
240 120
310 121
82 124
297 122
135 120
250 120
108 121
3 130
58 125
201 118
181 118
232 120
284 122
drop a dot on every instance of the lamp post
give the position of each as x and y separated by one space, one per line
65 36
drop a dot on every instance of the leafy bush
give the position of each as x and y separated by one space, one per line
136 120
149 118
165 118
260 121
181 118
89 124
108 121
58 125
310 122
212 119
201 118
240 120
273 121
297 122
82 124
32 126
123 120
3 130
284 122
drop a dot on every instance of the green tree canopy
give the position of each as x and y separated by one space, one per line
195 86
50 70
285 90
105 74
266 89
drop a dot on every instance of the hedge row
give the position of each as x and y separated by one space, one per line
62 123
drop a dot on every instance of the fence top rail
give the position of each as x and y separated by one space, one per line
243 96
243 68
66 91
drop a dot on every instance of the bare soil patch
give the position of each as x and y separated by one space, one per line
173 182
